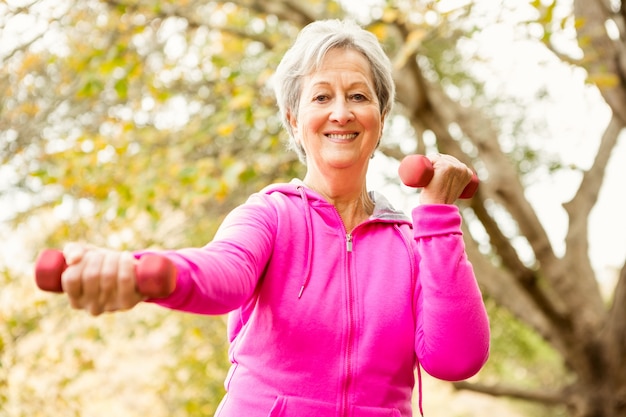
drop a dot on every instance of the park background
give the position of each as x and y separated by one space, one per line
135 124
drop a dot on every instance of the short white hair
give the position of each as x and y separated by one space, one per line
306 55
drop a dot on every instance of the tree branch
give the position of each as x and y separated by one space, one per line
544 396
602 54
284 10
504 288
582 315
615 331
623 12
586 197
550 305
579 209
503 185
302 8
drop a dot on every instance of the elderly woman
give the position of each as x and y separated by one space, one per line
334 297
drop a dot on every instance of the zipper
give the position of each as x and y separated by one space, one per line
345 405
345 411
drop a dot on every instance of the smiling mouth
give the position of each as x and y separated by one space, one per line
343 136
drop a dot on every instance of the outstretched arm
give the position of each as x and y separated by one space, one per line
221 276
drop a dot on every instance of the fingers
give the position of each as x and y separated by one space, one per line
449 166
99 280
107 280
73 252
92 272
71 278
127 295
450 178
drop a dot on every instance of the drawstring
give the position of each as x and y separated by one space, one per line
309 231
403 232
419 390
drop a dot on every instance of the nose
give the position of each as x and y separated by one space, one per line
341 112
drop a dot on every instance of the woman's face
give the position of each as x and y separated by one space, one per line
339 121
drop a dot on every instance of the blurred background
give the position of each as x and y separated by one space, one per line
134 124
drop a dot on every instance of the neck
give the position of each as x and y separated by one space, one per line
350 199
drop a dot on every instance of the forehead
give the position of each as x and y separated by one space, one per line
343 63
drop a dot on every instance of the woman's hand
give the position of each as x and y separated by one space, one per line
450 177
99 280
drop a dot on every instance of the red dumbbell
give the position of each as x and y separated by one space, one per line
417 171
155 274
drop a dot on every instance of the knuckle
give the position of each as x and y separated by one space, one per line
112 307
70 281
95 309
127 303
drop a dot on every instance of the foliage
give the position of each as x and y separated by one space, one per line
132 126
142 123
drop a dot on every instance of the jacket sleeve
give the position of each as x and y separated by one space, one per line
222 275
452 332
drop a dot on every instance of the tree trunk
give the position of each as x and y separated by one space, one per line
559 296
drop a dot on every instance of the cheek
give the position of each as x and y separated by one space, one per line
374 124
310 123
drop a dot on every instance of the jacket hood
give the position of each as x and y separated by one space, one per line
383 210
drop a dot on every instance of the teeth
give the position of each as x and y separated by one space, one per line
342 137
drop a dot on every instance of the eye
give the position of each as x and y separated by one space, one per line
321 98
358 97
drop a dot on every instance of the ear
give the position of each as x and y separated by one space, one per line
293 122
383 117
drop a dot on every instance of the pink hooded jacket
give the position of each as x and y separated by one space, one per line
325 322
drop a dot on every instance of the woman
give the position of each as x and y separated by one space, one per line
334 297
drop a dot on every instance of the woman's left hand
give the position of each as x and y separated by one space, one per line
450 177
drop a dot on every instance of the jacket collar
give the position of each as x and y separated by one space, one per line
383 210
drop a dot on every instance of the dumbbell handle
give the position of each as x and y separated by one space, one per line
155 274
417 171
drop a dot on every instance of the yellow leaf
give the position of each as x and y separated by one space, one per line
604 80
226 129
379 30
413 42
390 15
241 101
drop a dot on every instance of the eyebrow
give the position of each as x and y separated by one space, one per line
352 85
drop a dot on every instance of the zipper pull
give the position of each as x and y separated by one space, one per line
349 242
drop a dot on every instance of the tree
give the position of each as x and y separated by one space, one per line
172 95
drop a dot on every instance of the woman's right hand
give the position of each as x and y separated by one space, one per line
450 178
99 280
